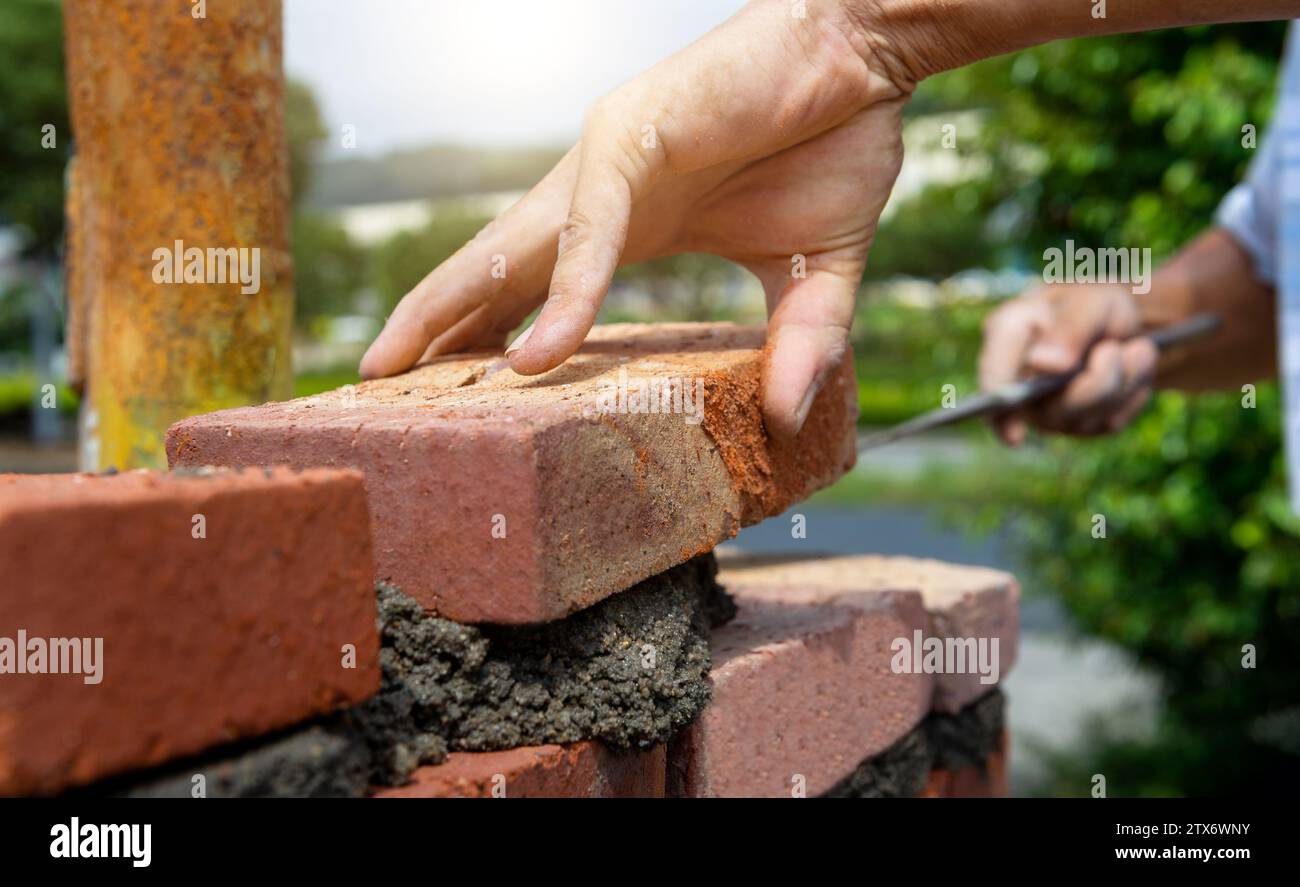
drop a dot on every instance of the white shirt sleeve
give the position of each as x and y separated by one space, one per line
1250 211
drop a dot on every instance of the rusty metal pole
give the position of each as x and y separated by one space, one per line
178 116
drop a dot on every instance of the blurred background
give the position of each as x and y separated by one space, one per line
411 123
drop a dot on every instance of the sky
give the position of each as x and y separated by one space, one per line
407 73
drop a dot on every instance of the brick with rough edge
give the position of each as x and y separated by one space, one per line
963 602
802 692
578 770
208 637
461 451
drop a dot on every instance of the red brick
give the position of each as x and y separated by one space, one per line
205 640
579 770
962 602
802 687
593 503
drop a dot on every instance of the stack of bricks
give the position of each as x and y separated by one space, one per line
549 621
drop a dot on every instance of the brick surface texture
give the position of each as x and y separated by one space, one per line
508 499
802 692
205 640
962 602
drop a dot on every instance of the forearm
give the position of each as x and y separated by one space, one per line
929 36
1214 274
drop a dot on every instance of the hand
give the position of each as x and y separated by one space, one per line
1051 331
773 137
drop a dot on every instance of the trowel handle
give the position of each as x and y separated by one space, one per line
1192 328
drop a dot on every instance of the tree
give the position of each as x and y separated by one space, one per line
1115 141
305 131
33 98
329 269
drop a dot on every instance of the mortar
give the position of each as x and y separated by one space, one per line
630 671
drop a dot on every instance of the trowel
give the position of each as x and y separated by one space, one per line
1018 394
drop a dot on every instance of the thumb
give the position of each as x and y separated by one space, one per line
808 337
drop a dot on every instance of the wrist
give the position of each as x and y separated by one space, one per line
924 37
880 44
915 39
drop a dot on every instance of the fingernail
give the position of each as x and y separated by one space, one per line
805 405
520 339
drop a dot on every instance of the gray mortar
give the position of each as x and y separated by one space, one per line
447 687
968 738
321 761
900 771
630 671
940 742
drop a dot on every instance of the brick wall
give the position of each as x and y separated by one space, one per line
548 620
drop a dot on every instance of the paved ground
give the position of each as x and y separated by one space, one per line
19 456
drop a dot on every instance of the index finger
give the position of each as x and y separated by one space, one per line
521 242
1009 332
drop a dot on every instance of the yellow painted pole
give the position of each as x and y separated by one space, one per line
178 120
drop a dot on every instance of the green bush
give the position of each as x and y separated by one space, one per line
32 96
935 234
1118 141
18 394
1200 558
906 355
1132 141
329 269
